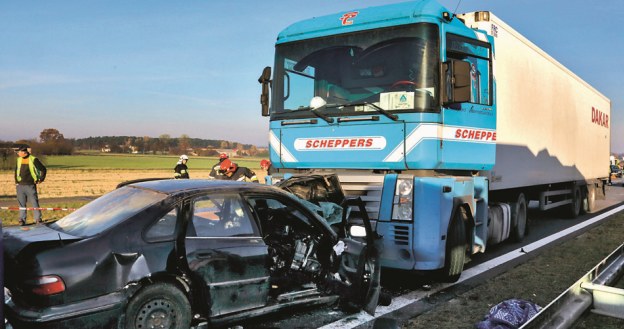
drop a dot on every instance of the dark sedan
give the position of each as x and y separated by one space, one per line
177 253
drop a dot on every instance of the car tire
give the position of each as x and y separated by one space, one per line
158 306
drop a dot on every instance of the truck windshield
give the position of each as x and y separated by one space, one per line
395 69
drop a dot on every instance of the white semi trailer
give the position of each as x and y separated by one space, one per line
553 128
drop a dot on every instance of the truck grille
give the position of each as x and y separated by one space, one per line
366 186
400 235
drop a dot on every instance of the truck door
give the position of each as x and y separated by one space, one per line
469 129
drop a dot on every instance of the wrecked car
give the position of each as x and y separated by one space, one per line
178 253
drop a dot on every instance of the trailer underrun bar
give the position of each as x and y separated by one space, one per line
592 290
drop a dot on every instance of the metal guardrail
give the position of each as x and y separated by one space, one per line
592 290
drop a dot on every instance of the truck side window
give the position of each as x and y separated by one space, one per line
478 54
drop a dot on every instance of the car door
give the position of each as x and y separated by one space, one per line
226 254
360 259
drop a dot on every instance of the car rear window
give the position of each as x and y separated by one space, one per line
106 211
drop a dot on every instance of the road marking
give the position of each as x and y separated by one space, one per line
399 302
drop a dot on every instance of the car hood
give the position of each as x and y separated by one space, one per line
35 237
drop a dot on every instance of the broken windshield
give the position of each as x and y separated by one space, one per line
393 69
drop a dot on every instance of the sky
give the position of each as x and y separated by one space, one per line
147 68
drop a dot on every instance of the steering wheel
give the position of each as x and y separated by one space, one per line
403 83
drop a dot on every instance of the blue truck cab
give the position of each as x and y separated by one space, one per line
399 101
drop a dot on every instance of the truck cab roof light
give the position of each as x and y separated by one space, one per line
482 16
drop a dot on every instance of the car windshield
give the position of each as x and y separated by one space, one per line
107 211
395 69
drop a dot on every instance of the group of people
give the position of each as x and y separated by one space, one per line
29 172
225 169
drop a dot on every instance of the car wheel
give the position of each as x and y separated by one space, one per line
455 247
159 306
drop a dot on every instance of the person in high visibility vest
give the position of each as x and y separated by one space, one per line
29 172
181 170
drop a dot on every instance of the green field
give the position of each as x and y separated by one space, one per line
132 161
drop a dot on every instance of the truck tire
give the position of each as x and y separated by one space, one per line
574 209
589 201
518 218
455 247
158 305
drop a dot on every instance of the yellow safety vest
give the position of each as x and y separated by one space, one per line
34 172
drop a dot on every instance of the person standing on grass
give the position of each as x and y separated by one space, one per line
181 170
29 172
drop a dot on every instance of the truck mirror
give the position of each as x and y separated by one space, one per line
265 80
456 87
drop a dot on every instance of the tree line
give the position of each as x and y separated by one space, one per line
52 142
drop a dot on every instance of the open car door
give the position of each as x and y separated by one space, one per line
360 258
360 266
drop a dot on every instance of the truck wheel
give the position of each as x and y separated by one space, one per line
589 201
455 247
574 208
518 218
159 306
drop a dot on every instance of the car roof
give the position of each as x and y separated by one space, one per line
175 186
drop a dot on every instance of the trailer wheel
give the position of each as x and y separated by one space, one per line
455 247
589 201
574 208
518 218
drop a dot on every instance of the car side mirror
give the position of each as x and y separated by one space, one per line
357 231
265 80
456 82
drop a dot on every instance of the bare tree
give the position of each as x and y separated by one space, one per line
164 138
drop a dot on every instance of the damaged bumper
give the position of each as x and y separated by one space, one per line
97 312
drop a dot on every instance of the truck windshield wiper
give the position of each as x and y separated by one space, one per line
314 110
390 116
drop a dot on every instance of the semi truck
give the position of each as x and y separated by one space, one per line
445 125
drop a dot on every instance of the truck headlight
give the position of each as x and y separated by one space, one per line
403 196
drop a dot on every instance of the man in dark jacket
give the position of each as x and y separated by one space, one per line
215 172
231 171
181 169
29 172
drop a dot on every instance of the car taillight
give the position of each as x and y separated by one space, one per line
46 285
